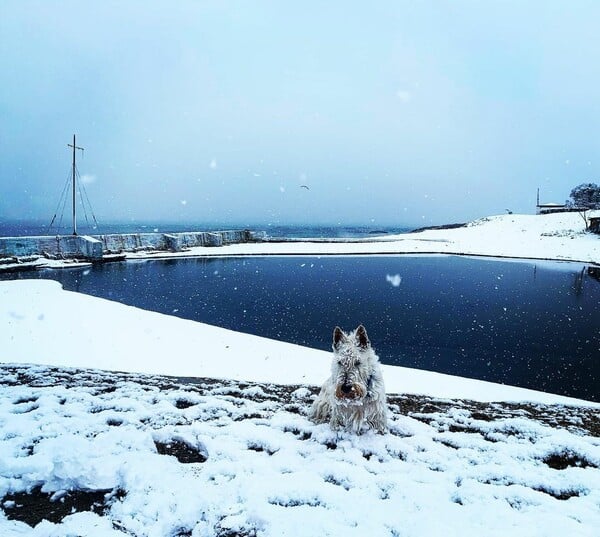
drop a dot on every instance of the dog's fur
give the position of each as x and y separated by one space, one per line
353 397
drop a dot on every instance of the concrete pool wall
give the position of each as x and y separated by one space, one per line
95 246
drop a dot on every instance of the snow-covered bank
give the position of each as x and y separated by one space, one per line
558 236
120 455
44 324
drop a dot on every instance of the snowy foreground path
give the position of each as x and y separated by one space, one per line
85 452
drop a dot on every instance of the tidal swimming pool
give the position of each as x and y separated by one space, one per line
529 324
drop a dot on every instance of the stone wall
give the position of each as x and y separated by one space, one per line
93 247
62 246
131 242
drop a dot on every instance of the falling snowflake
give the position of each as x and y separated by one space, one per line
394 279
403 95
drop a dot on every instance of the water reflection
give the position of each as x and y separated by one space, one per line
530 324
594 273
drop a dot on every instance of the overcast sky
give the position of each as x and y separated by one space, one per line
399 112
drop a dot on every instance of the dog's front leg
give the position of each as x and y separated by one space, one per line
336 422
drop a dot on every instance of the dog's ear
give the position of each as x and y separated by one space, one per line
338 337
362 338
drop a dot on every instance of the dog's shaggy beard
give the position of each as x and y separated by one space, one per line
352 379
353 398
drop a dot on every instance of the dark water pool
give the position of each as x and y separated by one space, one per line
520 323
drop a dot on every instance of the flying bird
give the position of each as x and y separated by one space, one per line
304 186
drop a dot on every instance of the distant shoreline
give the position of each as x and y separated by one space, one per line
444 226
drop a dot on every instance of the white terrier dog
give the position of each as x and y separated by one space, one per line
353 397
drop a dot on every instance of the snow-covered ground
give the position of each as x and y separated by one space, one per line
126 454
104 454
86 450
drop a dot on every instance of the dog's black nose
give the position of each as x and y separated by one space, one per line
346 388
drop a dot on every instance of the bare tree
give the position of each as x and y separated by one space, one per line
584 197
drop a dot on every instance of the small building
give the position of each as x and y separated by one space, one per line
547 208
594 222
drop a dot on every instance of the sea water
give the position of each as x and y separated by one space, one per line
36 228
